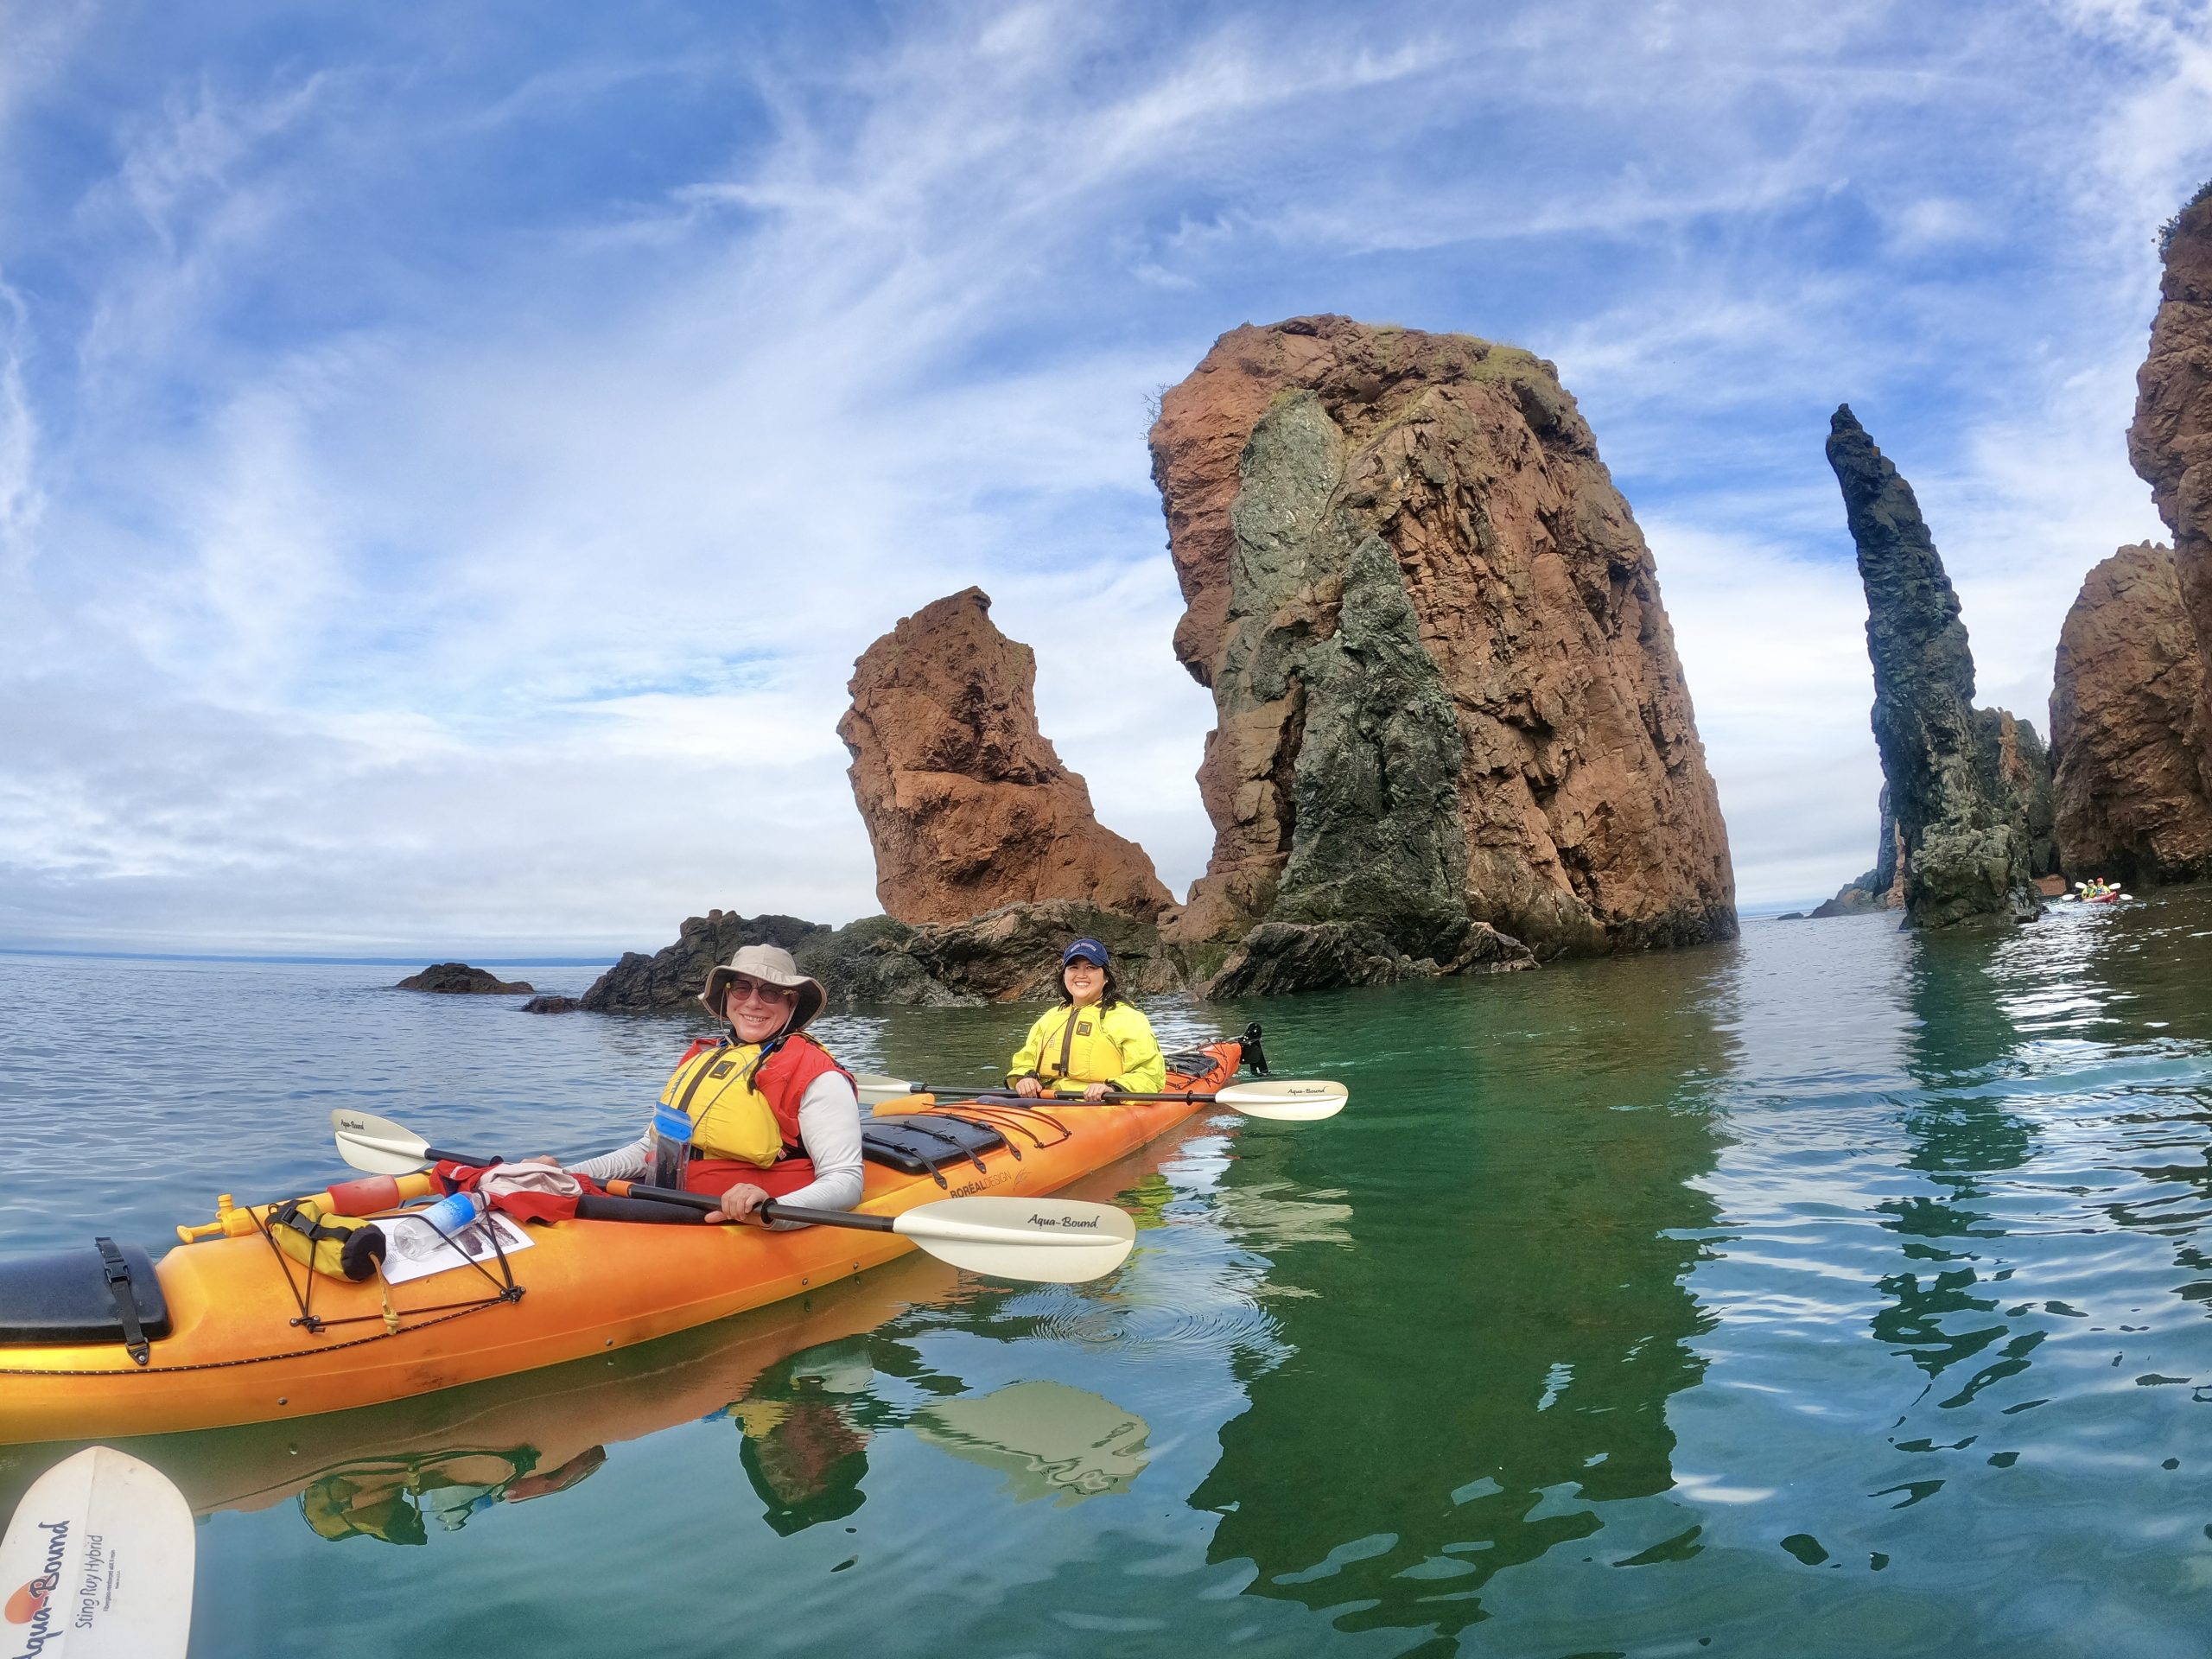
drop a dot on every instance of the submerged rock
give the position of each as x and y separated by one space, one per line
551 1005
967 804
1970 786
459 979
1445 688
2131 727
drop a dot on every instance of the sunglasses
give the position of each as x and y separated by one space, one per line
753 990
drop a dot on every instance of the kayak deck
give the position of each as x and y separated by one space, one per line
238 1351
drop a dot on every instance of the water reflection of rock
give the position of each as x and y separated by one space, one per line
1960 1129
1497 1319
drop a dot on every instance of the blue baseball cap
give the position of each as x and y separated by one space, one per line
1090 949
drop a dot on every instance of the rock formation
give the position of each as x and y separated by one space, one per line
2170 442
1881 887
966 803
1447 697
2130 726
673 977
1970 786
2132 698
1010 954
459 979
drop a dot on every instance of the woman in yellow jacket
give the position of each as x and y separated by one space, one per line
1094 1038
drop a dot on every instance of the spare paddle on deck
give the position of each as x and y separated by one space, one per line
98 1562
1052 1241
384 1147
1288 1100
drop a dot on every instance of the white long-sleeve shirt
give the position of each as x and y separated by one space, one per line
829 1132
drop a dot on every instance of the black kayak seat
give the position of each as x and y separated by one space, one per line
64 1297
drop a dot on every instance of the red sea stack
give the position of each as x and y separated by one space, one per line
2129 723
967 804
2132 694
1447 691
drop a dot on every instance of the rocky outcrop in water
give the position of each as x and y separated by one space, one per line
1010 954
671 978
2131 727
1969 787
967 804
1448 703
1880 887
459 979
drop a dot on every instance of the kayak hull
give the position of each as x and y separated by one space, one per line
239 1352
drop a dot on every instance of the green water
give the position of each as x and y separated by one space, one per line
1836 1292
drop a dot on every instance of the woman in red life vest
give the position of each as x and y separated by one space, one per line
773 1114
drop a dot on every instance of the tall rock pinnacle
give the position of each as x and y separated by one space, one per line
1970 786
1446 694
968 805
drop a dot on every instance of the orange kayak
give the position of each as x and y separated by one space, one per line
237 1348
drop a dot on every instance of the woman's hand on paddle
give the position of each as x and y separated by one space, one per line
1028 1088
739 1203
1096 1091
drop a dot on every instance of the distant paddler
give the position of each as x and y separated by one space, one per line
763 1113
1094 1041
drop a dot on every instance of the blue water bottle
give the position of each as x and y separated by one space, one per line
671 1146
454 1213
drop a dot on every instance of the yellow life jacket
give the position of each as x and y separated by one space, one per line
730 1116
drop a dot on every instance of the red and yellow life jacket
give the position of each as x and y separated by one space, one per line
743 1105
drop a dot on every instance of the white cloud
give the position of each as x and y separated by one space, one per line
403 576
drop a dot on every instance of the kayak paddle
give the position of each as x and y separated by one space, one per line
1283 1099
1052 1241
384 1147
98 1560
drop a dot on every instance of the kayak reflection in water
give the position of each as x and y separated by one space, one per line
1093 1038
766 1111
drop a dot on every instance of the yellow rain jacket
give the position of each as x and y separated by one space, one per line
1093 1045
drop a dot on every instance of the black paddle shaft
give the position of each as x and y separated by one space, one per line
771 1211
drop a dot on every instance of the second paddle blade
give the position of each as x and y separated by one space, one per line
1055 1241
98 1560
1290 1102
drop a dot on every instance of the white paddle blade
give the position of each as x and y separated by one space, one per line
874 1089
377 1144
1052 1241
98 1562
1298 1100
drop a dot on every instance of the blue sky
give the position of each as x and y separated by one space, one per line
450 457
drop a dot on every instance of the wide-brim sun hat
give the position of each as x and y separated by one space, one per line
772 966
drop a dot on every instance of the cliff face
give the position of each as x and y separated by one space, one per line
2170 442
2138 772
2131 727
1969 787
1447 691
967 806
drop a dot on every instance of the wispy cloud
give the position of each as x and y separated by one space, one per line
450 477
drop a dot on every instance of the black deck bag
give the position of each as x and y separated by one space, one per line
925 1143
78 1296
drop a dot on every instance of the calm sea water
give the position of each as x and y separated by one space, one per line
1839 1291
